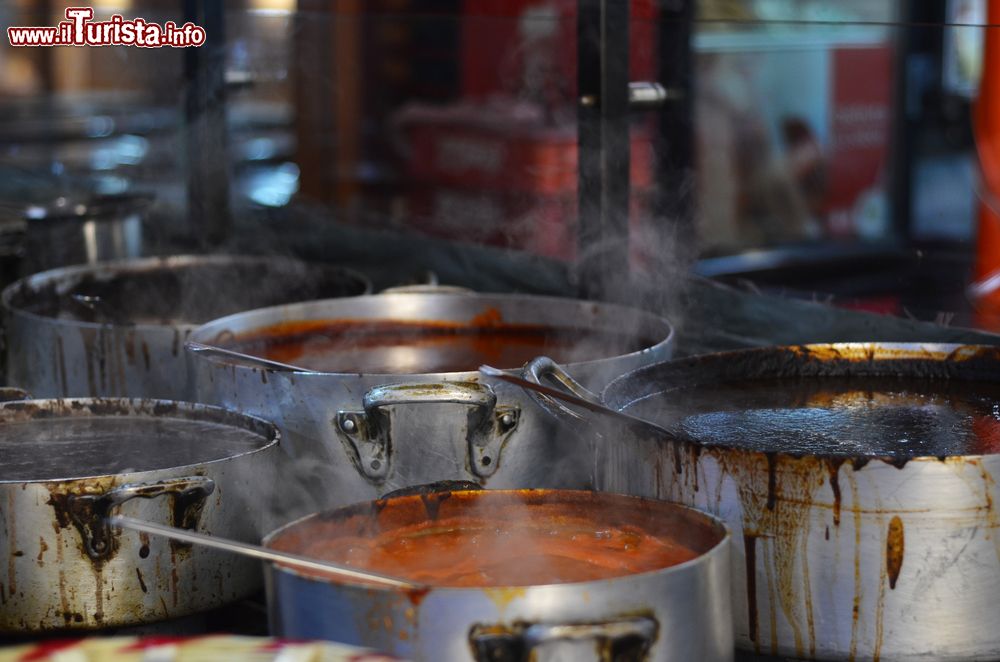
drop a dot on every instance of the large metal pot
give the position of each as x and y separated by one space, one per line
838 556
118 328
66 464
357 435
675 613
84 230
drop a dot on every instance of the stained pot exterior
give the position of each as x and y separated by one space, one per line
836 558
50 581
52 357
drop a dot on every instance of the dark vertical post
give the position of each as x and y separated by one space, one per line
674 196
205 126
902 125
604 155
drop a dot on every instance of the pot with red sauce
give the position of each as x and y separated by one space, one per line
512 575
389 396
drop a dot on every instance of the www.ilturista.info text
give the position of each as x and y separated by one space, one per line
80 30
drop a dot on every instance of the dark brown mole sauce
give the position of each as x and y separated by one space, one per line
552 543
876 416
398 347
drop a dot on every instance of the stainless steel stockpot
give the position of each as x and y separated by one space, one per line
118 328
836 556
677 613
355 435
65 464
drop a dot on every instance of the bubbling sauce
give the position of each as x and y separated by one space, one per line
399 347
898 417
498 541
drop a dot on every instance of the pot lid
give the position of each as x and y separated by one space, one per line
47 440
804 401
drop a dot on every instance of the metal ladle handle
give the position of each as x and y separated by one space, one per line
210 350
559 394
262 553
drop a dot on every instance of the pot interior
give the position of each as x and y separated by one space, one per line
505 538
845 401
180 290
402 347
54 440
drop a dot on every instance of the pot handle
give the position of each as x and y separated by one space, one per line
622 640
369 438
544 368
89 512
431 285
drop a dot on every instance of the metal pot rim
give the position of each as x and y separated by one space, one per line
720 547
873 351
267 430
468 375
31 283
105 208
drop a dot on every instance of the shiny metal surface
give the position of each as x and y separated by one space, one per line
84 230
65 568
356 436
834 557
679 613
110 353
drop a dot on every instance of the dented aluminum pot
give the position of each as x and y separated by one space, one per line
65 464
678 613
356 435
118 328
836 557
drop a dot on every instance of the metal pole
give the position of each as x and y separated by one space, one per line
674 195
206 138
603 135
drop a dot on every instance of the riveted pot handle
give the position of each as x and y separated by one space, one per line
623 640
369 439
544 368
89 512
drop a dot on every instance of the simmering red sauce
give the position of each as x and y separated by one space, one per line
482 539
399 347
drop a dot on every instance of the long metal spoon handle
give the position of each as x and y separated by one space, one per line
258 552
559 394
245 358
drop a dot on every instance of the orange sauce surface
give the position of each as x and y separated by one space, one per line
484 546
400 347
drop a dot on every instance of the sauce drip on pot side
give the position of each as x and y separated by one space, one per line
898 417
483 547
398 347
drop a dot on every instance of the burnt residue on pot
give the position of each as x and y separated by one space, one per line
750 554
789 505
894 548
77 506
